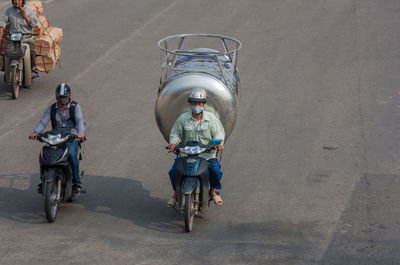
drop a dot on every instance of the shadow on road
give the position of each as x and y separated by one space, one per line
118 197
127 199
19 201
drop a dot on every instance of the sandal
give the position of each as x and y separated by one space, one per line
217 200
171 202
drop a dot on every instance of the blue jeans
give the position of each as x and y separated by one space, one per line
213 167
73 159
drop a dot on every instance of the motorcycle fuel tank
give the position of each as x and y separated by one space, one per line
184 69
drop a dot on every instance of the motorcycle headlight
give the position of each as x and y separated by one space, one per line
16 36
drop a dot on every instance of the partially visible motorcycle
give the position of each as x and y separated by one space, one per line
55 171
192 180
17 63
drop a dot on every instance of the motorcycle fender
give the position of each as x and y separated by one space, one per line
205 185
50 174
190 184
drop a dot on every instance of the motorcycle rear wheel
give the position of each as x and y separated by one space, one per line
14 82
50 199
189 214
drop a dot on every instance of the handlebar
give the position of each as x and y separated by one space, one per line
23 34
44 135
176 151
8 35
70 136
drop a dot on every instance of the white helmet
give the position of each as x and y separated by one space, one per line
198 95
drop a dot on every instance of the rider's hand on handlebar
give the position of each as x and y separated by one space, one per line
80 136
33 136
219 147
171 147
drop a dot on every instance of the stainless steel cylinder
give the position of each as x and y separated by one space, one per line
184 69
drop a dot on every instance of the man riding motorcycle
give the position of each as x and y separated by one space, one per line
21 19
65 115
202 126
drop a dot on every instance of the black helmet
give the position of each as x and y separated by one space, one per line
198 95
23 2
63 90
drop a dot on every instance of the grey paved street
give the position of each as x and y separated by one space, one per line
311 170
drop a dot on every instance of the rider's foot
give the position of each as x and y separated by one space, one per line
172 202
39 188
76 190
215 197
217 200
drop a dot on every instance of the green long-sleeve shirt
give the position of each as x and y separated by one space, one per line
187 129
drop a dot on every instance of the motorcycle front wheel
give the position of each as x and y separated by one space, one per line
189 214
51 200
14 82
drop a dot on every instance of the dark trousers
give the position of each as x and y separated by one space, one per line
73 159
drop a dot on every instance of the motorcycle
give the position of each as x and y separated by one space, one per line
192 180
55 171
17 63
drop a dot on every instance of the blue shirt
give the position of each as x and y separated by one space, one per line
62 120
17 21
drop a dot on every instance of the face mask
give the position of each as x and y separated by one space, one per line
197 109
63 100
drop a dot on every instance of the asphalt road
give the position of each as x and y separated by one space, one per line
310 170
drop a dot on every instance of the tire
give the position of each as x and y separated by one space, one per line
189 215
14 82
50 199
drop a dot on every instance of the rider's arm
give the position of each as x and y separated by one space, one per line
3 22
43 121
80 123
217 130
175 136
29 16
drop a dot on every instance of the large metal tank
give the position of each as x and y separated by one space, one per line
198 61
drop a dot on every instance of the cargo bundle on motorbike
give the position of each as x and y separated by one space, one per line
47 41
15 58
